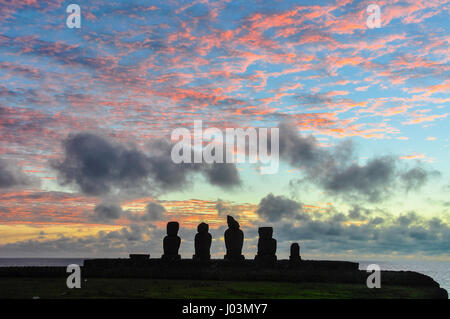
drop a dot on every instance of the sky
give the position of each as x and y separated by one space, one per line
86 116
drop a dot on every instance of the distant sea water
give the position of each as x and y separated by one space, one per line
438 270
25 262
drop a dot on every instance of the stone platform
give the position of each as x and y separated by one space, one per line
304 271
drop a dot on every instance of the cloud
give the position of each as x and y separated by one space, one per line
359 213
337 171
132 233
131 239
355 232
224 208
274 208
223 175
107 212
11 176
365 231
99 166
415 177
153 212
371 180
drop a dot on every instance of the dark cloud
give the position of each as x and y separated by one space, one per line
223 208
99 166
376 221
415 177
358 230
274 208
223 175
133 232
407 219
107 212
370 179
337 171
300 150
338 233
153 211
11 176
358 213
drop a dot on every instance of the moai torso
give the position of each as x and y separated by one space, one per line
234 240
267 246
295 253
171 243
202 243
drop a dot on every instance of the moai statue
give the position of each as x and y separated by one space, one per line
267 246
234 240
295 253
171 242
202 243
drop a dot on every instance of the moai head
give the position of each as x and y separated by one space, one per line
172 228
265 232
202 228
232 223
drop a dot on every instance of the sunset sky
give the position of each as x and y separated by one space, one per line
363 114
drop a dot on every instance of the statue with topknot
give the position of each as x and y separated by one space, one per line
234 240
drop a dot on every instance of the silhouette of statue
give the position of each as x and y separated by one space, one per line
234 240
171 242
295 253
202 243
267 246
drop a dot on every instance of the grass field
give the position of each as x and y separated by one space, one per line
151 288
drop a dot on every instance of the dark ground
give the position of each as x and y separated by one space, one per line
27 288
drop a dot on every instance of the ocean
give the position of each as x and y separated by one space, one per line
438 270
23 262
